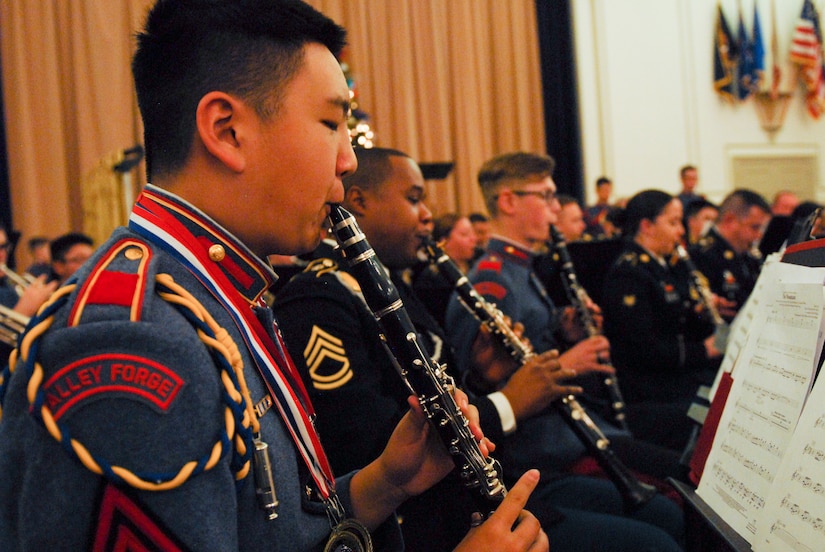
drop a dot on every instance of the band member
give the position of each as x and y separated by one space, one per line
327 325
727 256
457 237
156 403
519 191
653 319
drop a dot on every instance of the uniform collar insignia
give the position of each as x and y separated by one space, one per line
251 274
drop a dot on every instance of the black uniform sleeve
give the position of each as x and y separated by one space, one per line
355 389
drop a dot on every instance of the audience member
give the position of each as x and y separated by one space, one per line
654 323
726 256
244 108
700 214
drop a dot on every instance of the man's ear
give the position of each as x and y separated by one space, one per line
356 199
218 120
505 202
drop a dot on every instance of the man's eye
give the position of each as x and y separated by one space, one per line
332 125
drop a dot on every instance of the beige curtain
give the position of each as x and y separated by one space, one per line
447 80
444 80
68 101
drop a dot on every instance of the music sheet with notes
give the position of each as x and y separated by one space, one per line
773 375
794 513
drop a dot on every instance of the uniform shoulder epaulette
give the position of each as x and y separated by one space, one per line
118 279
326 265
706 242
491 262
631 258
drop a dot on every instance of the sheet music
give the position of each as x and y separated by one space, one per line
794 513
773 273
772 379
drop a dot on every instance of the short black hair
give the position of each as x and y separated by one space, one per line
249 48
697 205
374 167
647 204
740 201
61 245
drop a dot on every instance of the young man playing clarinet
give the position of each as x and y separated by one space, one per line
152 404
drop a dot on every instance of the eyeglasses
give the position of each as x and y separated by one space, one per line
547 195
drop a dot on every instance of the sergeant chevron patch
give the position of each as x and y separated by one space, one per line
124 525
327 361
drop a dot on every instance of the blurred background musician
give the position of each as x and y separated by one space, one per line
655 323
455 235
727 255
700 214
520 194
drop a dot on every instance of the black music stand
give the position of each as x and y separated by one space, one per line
704 529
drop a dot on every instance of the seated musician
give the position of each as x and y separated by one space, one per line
355 386
520 195
656 323
457 238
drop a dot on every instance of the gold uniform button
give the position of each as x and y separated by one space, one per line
217 253
133 253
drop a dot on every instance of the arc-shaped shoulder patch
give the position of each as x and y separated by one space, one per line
118 279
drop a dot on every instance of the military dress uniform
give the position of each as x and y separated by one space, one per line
730 274
504 277
126 418
357 391
656 337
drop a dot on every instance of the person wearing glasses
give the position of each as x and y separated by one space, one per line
520 195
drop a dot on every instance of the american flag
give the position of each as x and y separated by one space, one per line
806 50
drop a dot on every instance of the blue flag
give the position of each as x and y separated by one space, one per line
758 52
745 67
724 58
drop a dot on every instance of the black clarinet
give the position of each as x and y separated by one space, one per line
700 286
579 298
426 379
634 493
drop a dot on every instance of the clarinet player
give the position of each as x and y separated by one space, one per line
654 318
519 191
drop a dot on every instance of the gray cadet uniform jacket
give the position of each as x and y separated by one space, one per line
125 375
